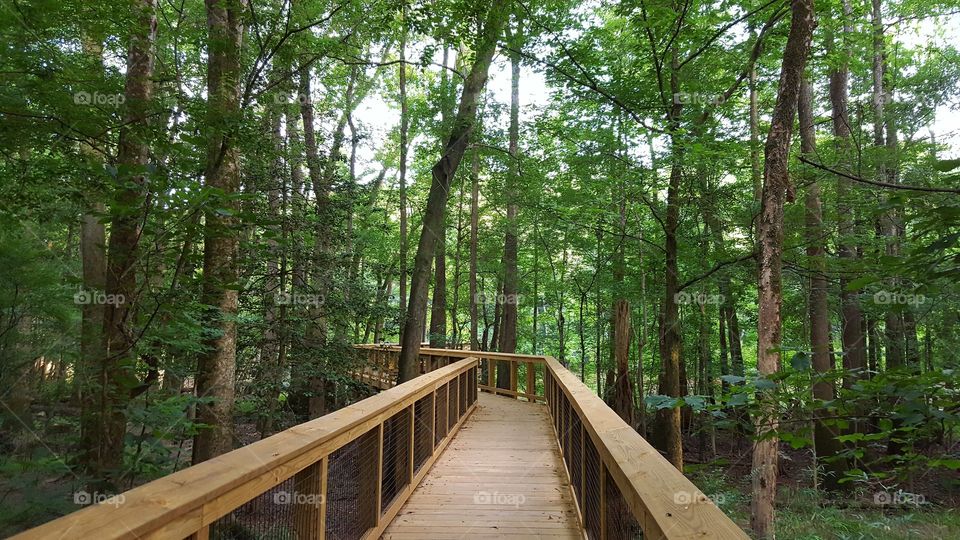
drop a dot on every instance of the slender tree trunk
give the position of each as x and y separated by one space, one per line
474 238
217 366
438 310
508 338
825 435
851 314
117 372
442 174
404 129
672 338
776 191
623 392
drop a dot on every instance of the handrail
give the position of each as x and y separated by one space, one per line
629 475
620 483
381 368
410 422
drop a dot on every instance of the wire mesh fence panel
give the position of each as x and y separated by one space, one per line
463 393
352 488
621 525
441 414
575 465
269 516
422 431
568 412
591 493
396 457
452 416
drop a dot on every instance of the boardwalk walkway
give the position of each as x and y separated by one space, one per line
501 477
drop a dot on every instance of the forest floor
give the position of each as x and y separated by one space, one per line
805 513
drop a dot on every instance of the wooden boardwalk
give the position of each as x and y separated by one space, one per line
501 477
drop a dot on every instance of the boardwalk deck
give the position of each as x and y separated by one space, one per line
501 476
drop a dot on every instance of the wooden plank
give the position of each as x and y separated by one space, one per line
494 479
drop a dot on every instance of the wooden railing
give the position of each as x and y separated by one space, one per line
344 475
521 374
620 483
622 486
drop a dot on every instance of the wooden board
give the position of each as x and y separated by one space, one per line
500 477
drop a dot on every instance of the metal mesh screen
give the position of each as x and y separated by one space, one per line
452 416
471 386
422 431
441 414
620 520
591 498
463 393
396 457
575 465
269 515
352 487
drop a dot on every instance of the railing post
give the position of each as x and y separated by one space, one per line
379 497
491 373
513 379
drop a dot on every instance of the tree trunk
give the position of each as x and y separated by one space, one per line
851 314
776 190
623 389
404 128
442 175
217 365
508 337
825 435
117 375
474 233
438 311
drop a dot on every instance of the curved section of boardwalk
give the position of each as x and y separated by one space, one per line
501 476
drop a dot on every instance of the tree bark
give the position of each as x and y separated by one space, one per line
508 337
852 317
776 191
442 175
474 234
117 374
217 366
623 392
825 436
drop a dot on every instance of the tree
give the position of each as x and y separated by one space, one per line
442 175
216 371
776 191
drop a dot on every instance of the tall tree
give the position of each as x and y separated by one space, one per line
776 191
217 365
117 375
825 434
442 175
